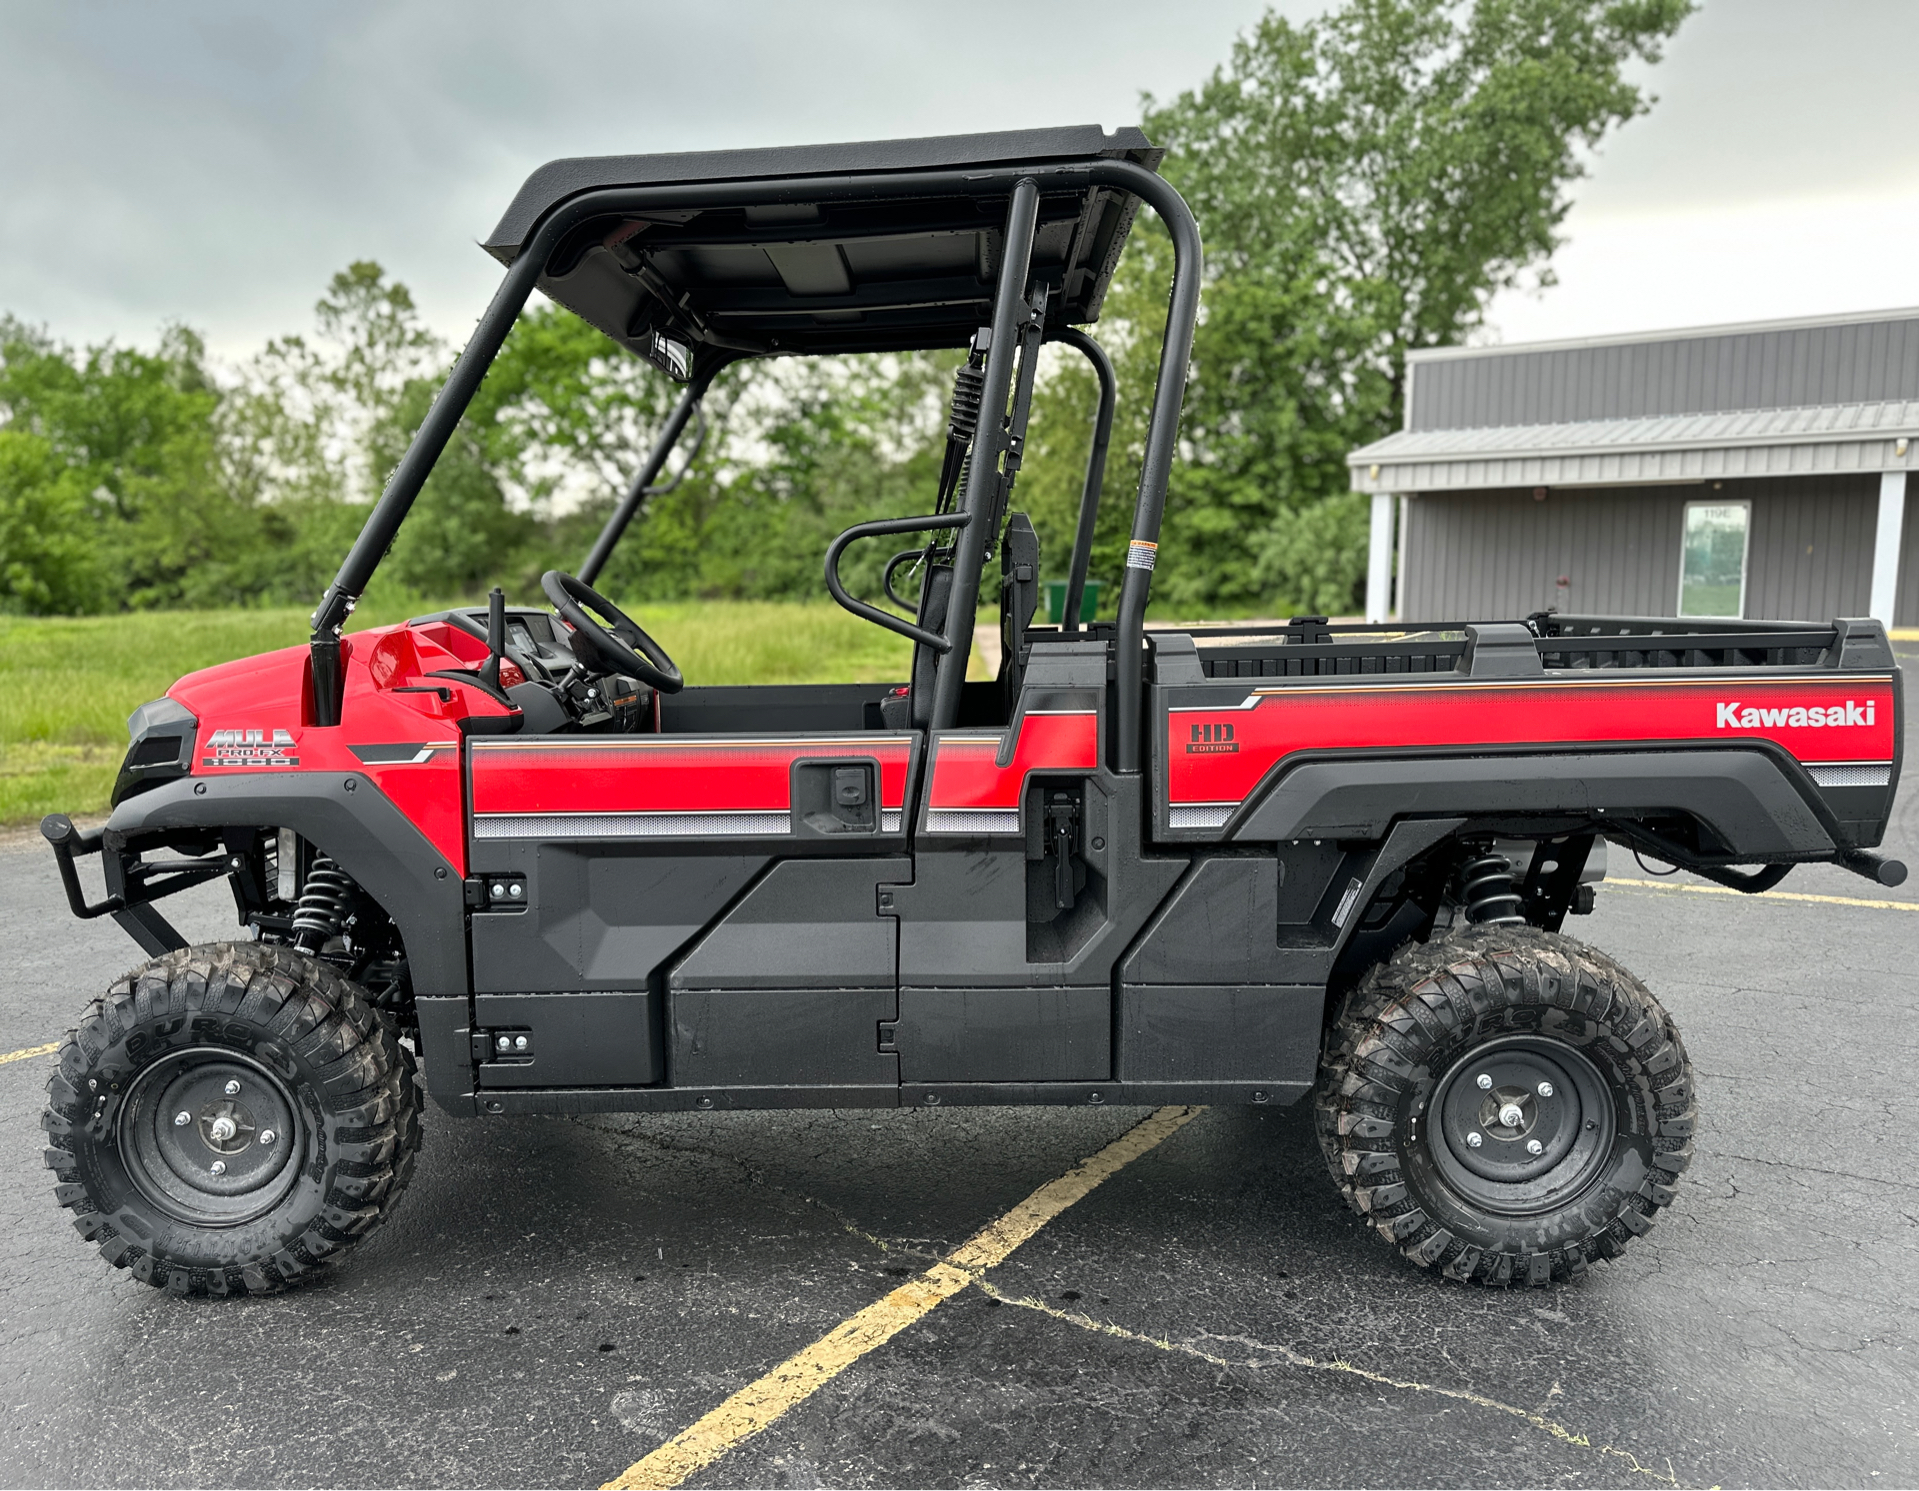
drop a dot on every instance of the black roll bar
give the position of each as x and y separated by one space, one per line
641 487
1162 436
383 523
959 522
1072 336
983 476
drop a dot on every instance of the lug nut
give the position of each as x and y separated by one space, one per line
266 1136
218 1167
1485 1082
1533 1146
1545 1089
182 1119
1473 1140
233 1087
1512 1115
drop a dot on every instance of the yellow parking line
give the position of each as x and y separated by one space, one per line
1765 895
46 1050
797 1378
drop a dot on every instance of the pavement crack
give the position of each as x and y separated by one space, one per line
1749 1159
758 1181
1264 1354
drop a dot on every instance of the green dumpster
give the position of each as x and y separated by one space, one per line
1056 601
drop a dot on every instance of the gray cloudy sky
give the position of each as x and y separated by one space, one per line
215 162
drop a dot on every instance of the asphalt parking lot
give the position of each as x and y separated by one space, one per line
556 1297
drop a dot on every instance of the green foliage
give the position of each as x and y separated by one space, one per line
1365 182
47 557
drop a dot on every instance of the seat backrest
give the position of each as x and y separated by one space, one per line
915 709
1018 597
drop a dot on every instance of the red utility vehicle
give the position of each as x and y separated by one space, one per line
508 857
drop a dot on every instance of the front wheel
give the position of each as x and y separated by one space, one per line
1505 1106
228 1119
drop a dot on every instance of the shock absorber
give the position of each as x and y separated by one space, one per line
325 903
1487 892
969 393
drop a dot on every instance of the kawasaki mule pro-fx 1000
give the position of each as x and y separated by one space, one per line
510 859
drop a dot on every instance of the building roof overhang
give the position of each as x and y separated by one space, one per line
1815 439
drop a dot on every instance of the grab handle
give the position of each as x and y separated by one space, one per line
876 529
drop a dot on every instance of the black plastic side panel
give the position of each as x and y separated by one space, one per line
807 924
963 920
1210 1033
371 839
1221 925
1743 796
1005 1035
1082 1094
917 1095
445 1052
779 1037
575 1040
600 914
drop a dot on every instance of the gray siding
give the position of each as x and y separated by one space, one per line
1863 362
1905 610
1481 556
1810 553
1499 555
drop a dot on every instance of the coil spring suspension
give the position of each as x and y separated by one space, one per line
1486 890
325 903
969 393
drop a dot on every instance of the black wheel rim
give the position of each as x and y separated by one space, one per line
211 1137
1521 1125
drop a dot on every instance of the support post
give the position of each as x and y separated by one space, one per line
1155 470
648 473
1887 542
1072 336
1379 558
1399 563
983 475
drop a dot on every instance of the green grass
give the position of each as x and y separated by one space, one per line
67 684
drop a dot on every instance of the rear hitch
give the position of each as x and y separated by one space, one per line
1875 867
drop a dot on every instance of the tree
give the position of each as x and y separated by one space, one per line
1365 183
132 433
48 564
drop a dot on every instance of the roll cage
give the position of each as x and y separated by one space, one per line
994 243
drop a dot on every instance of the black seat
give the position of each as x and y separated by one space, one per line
914 708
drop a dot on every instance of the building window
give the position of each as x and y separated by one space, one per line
1712 559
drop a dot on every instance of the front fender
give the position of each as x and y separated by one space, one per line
348 818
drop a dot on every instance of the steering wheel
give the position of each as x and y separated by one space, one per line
622 649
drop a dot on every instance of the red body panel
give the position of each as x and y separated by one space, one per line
1218 755
966 772
254 716
666 774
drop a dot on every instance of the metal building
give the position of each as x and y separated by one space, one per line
1755 470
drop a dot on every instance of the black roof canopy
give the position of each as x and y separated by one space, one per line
820 265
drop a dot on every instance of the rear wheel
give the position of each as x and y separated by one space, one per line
1505 1106
227 1120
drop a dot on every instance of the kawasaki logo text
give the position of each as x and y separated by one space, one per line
1736 716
